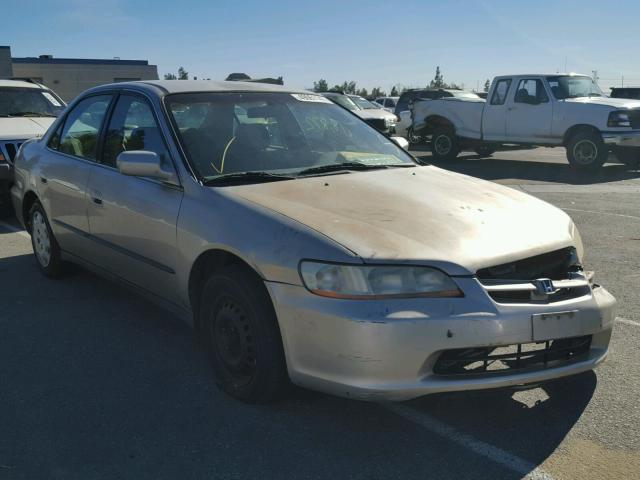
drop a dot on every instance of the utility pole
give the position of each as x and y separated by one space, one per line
622 81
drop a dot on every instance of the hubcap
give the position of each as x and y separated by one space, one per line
585 152
41 240
233 341
413 138
442 144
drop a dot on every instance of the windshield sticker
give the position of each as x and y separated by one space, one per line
310 97
51 99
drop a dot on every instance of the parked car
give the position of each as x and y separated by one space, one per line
302 244
626 92
381 120
549 110
388 103
27 109
405 103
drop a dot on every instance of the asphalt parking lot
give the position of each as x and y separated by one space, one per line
97 383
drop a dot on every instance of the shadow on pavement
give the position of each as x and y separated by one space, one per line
98 383
538 171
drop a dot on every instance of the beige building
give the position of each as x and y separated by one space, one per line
70 76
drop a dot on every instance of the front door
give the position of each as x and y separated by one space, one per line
530 113
494 115
133 219
66 169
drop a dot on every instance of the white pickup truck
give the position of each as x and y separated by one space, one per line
566 110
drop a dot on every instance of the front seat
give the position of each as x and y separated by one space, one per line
248 151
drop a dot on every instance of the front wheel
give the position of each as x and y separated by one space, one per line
44 243
586 151
240 330
412 138
444 144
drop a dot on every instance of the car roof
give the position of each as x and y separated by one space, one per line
188 86
20 84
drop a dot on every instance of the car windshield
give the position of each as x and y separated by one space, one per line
29 102
572 86
277 133
363 103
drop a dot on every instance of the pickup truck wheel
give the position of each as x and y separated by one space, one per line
412 138
241 334
586 151
444 144
45 246
485 151
628 156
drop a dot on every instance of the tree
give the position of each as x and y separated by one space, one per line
320 86
363 92
349 87
183 74
377 92
170 76
394 92
487 85
438 80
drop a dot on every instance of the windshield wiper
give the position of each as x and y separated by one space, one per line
30 114
245 177
338 167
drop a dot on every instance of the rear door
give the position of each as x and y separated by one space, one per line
133 219
494 116
530 112
70 159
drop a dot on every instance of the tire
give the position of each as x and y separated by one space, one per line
484 151
240 331
44 243
586 151
444 144
412 138
629 156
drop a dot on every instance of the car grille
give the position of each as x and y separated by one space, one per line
634 118
515 282
377 123
10 149
514 358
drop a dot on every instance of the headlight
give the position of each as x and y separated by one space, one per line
371 281
619 119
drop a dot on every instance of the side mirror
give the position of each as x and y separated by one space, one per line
401 142
140 163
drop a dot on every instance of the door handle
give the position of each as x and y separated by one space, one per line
43 180
96 200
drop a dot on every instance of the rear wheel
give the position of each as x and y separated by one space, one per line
45 245
240 330
444 144
586 151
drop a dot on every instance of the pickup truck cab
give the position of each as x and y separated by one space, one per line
566 110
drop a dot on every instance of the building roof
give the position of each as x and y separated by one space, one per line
76 61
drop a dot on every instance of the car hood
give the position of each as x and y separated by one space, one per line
22 128
607 101
373 113
422 215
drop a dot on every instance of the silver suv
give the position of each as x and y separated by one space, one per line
304 245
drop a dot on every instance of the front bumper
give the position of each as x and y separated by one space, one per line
622 139
386 350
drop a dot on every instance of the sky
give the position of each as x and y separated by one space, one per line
375 43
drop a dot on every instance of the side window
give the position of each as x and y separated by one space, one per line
531 91
133 127
500 92
81 129
391 103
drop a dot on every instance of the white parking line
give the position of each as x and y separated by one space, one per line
491 452
626 321
13 229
